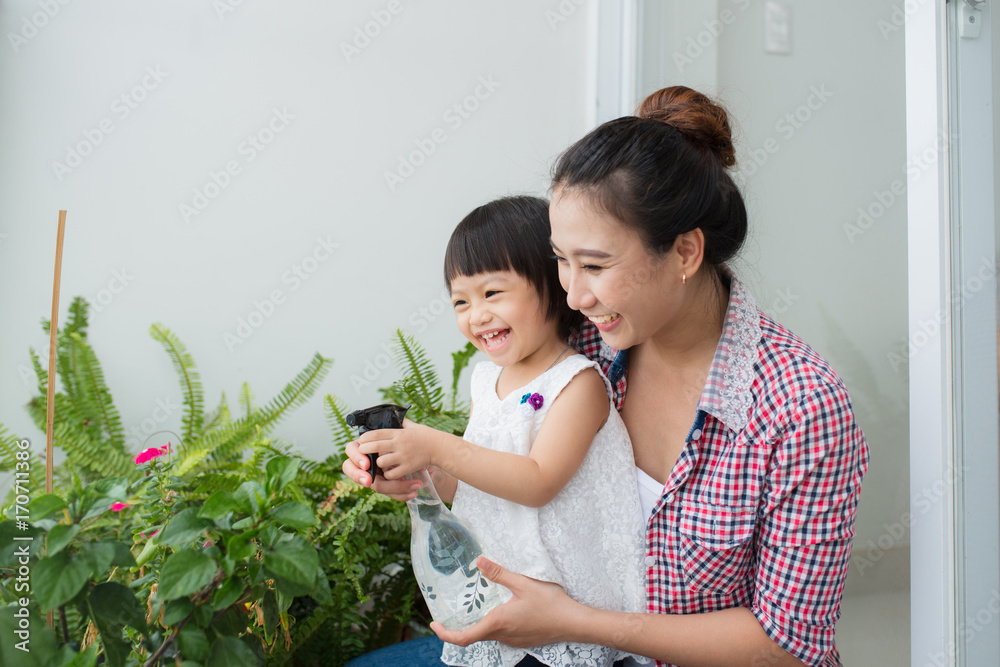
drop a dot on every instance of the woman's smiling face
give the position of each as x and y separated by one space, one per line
608 274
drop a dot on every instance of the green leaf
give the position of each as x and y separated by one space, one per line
44 505
123 555
184 528
271 614
231 623
11 545
59 537
58 579
97 556
251 497
113 488
280 471
67 657
184 573
231 652
218 505
148 551
293 562
176 611
117 604
193 642
194 401
228 593
241 546
41 642
322 593
116 649
294 515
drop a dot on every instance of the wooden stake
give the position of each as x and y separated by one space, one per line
50 403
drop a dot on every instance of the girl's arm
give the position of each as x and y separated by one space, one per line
540 612
573 420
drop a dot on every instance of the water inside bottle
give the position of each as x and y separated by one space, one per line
444 561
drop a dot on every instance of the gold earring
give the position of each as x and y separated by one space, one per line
684 279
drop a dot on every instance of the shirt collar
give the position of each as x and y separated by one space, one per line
727 395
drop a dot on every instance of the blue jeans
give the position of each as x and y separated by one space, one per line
423 652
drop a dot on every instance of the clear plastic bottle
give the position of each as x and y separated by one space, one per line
444 552
444 556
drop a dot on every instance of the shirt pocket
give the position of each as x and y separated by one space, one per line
716 546
737 473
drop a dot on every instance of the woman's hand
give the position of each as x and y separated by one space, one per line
356 468
539 613
402 450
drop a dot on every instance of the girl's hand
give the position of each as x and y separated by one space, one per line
539 613
356 468
401 451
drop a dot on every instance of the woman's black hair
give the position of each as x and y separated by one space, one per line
511 234
664 173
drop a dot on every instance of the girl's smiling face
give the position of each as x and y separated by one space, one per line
608 274
504 316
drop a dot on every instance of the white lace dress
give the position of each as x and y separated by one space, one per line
590 538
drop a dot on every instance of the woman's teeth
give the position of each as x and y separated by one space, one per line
604 319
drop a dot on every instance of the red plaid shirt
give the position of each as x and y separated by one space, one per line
759 509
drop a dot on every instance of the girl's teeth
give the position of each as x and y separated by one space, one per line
602 319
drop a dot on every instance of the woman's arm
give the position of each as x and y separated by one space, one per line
569 428
806 528
541 613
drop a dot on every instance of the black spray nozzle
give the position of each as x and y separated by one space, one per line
374 418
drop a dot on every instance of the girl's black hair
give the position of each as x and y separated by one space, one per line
511 234
664 173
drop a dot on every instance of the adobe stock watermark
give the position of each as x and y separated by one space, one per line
419 320
915 167
293 277
120 279
930 328
363 34
897 17
223 7
783 301
968 630
31 25
562 12
453 117
922 502
246 152
710 33
138 434
786 127
121 108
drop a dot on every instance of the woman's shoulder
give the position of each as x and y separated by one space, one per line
787 360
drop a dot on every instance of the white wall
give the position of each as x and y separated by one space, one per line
347 120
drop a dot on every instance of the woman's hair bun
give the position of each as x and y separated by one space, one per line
696 116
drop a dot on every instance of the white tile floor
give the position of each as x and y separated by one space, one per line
874 626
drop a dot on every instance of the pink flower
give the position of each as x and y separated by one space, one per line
118 507
144 535
150 454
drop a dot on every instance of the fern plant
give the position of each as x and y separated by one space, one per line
112 540
366 541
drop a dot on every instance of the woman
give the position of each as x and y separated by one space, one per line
749 460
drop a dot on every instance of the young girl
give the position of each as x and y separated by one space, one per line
544 450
